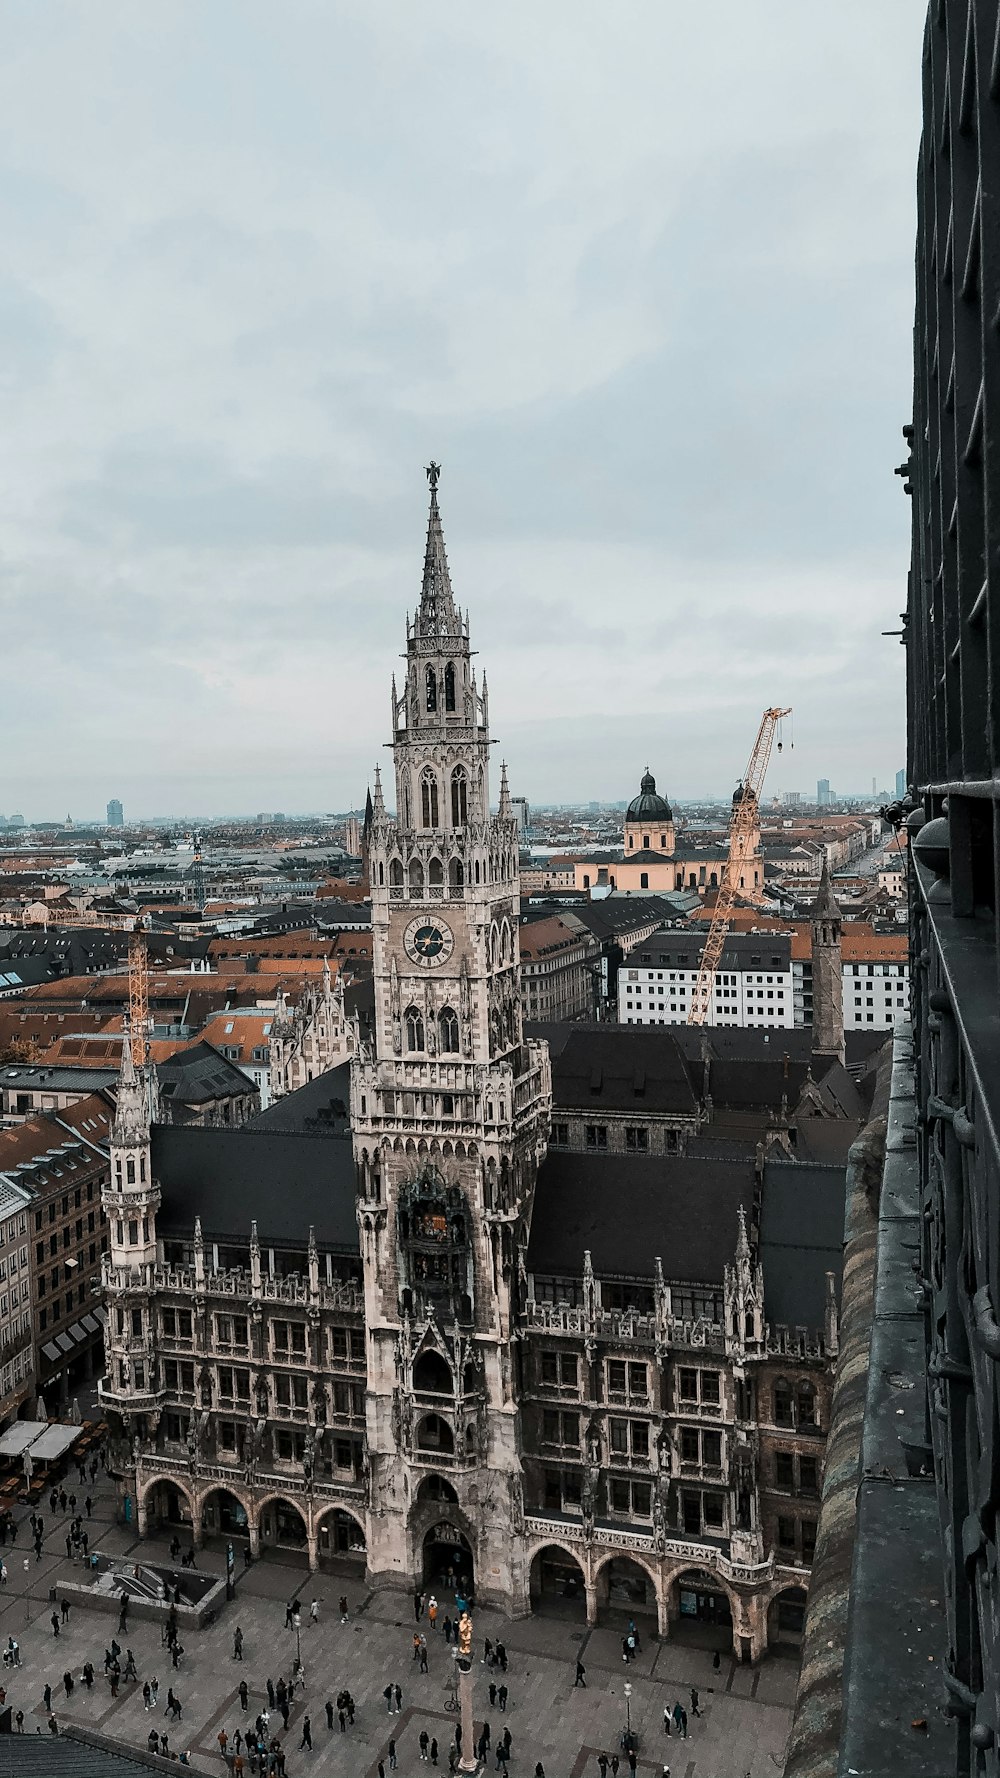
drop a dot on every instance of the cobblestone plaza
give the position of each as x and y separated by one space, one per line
743 1726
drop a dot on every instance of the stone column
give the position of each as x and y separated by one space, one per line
141 1515
591 1592
663 1610
253 1526
468 1761
197 1533
312 1542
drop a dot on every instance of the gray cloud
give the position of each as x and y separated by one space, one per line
642 280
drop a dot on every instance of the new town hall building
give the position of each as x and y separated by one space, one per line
383 1324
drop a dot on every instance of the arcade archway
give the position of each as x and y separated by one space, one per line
437 1487
168 1507
786 1617
224 1515
282 1525
700 1610
625 1589
341 1538
557 1584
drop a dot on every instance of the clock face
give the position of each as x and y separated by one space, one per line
428 941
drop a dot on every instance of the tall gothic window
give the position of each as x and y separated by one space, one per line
432 690
395 873
448 1026
435 872
459 797
414 1028
416 874
429 800
456 874
449 687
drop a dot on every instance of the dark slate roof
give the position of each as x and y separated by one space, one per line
285 1181
75 1753
57 1077
629 1209
200 1073
322 1104
801 1239
618 1067
742 950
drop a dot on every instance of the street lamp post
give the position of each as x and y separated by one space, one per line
628 1709
27 1595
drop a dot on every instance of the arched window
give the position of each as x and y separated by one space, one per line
631 841
429 800
783 1412
395 873
435 873
806 1403
448 1028
459 797
506 943
449 687
456 874
416 874
432 1375
432 690
414 1028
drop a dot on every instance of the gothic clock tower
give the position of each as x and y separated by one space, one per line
450 1112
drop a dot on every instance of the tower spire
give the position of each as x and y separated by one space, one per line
437 613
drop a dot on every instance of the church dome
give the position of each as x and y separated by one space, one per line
647 806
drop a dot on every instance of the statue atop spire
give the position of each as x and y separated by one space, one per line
436 615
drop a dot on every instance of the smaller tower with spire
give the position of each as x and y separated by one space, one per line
131 1199
827 974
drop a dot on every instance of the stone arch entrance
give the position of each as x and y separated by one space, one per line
341 1538
282 1525
223 1514
700 1610
165 1505
625 1589
786 1616
448 1565
557 1584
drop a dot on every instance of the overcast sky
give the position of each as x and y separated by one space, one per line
638 274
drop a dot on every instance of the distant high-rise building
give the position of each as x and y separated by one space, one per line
823 791
522 814
792 799
901 784
116 814
352 836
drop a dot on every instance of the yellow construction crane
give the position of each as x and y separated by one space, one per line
138 997
744 818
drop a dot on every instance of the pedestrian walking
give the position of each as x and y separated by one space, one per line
62 1500
581 1675
434 1751
343 1608
678 1713
68 1684
244 1696
502 1657
72 1503
64 1609
502 1698
397 1692
54 1621
487 1651
493 1694
314 1612
416 1645
387 1695
307 1739
130 1667
666 1719
615 1763
146 1694
393 1762
423 1743
539 1770
47 1696
602 1764
154 1686
270 1694
329 1714
418 1605
684 1724
289 1608
432 1611
342 1719
423 1654
223 1740
19 1722
381 1769
89 1504
237 1644
716 1661
694 1701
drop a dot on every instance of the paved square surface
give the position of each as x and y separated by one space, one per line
744 1723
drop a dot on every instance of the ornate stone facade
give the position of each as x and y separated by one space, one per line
310 1038
423 1402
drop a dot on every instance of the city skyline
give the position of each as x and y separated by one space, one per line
649 306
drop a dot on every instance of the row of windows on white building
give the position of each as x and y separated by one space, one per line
875 994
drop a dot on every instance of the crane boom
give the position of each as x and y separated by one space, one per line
741 825
138 998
